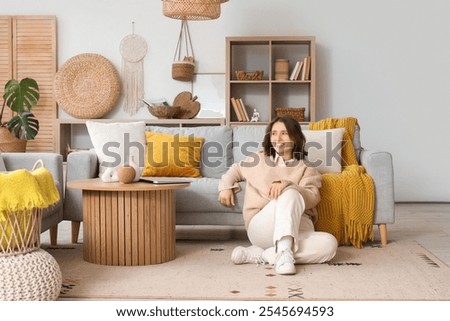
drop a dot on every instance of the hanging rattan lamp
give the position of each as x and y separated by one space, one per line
192 9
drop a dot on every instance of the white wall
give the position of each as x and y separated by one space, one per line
385 62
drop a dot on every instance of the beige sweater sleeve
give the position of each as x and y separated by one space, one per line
231 178
308 187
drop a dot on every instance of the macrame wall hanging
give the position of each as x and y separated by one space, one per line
133 49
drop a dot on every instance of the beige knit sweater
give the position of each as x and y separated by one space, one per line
259 171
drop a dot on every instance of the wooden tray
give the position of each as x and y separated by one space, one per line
189 107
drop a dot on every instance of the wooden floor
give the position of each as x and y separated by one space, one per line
427 223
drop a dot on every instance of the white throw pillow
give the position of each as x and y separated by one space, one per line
113 142
324 149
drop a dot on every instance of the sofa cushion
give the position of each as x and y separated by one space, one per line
172 155
356 140
114 142
216 151
247 140
202 195
324 149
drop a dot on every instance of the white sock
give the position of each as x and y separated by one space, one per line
284 243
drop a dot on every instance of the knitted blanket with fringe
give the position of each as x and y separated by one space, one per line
347 199
22 190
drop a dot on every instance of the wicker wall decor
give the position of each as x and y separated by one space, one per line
192 9
87 86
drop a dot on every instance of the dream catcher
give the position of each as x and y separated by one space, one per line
133 49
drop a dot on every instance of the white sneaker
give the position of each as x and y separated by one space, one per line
245 255
284 263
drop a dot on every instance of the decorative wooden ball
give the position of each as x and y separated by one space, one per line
126 174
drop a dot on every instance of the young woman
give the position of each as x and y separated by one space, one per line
279 204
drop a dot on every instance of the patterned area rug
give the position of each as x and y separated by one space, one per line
202 270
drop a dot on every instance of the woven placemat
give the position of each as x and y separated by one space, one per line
87 86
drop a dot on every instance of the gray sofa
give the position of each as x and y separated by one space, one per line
198 204
53 215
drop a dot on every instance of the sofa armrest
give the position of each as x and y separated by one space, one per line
80 165
379 166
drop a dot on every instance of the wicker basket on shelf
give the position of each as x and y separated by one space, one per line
249 75
298 113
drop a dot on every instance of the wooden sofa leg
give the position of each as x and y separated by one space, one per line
75 231
383 234
54 234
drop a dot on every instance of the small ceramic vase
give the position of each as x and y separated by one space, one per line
126 174
137 170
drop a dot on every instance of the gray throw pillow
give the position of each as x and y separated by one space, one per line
2 164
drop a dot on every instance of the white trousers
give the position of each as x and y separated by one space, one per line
284 217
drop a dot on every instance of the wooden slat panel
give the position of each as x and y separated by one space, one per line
142 228
34 49
5 57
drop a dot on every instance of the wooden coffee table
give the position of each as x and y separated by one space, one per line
128 224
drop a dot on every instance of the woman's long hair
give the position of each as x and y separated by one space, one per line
295 133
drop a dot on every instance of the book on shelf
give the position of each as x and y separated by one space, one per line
244 110
236 108
296 71
306 68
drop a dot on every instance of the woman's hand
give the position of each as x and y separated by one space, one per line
226 197
275 190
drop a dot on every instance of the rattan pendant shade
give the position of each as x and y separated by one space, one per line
192 9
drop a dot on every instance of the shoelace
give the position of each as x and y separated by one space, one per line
259 260
285 257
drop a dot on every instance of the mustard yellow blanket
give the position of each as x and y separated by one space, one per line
348 198
23 190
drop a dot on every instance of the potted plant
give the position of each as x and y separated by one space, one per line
20 97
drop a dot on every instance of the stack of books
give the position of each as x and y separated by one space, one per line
302 69
239 109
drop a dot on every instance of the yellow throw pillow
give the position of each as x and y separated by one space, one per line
172 155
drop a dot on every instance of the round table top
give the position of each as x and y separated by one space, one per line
96 184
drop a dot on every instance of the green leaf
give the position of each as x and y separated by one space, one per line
21 96
24 126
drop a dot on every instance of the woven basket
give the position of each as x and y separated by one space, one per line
249 75
298 113
20 231
183 70
87 86
10 143
192 9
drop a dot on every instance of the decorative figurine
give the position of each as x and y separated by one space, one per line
255 116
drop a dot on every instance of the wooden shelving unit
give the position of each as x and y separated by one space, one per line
66 127
260 53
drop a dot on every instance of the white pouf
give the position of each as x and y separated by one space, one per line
33 276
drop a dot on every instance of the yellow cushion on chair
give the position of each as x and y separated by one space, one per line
172 155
